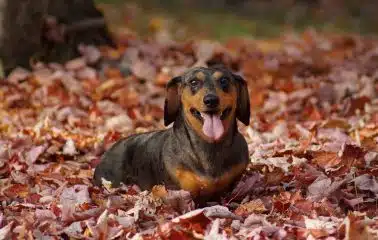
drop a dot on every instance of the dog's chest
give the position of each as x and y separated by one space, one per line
202 185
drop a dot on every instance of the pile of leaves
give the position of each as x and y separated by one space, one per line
312 141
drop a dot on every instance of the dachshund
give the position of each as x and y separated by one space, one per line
203 152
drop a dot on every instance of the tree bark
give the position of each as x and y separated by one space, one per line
48 30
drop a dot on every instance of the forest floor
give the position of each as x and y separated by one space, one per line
312 140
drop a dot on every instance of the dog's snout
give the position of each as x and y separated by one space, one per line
211 100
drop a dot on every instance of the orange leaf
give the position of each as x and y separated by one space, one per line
326 159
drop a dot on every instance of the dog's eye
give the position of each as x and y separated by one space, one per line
194 82
224 82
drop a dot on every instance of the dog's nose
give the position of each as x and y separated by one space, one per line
211 100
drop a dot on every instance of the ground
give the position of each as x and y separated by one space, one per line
312 141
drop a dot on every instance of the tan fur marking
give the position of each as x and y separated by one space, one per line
217 75
193 101
201 76
199 185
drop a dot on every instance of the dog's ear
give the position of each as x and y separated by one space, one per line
243 111
172 100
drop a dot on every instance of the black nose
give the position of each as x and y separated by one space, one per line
211 100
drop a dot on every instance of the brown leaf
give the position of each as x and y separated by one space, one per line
180 200
218 211
337 123
324 187
204 50
34 153
366 182
354 202
74 230
159 191
246 185
144 70
274 177
162 79
90 53
356 229
6 230
254 206
326 160
86 73
71 84
352 105
306 173
17 190
43 215
77 194
76 64
18 74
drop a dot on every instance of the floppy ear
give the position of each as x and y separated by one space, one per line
172 101
243 111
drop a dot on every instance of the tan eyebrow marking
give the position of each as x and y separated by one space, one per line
201 76
217 75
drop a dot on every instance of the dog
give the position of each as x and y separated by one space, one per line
203 153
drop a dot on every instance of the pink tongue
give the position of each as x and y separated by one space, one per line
212 126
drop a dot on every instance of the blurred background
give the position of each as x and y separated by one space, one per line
221 19
51 30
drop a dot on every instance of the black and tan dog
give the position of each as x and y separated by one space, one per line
203 152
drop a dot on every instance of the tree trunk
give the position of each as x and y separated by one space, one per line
48 30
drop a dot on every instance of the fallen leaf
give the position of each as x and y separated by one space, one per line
254 206
326 160
74 195
144 70
246 185
366 182
324 187
218 211
5 231
76 64
69 148
356 229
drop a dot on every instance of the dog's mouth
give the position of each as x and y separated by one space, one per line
212 121
197 114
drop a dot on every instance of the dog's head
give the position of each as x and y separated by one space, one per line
210 99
